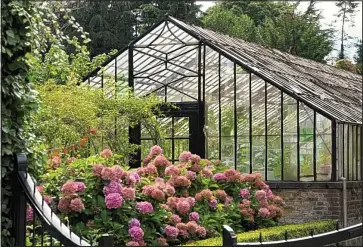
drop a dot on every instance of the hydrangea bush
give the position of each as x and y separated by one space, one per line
159 203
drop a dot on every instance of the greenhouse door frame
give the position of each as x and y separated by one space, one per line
196 135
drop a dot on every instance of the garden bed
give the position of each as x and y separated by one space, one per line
274 233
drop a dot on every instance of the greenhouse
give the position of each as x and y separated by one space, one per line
254 108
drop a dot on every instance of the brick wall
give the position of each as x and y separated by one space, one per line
303 205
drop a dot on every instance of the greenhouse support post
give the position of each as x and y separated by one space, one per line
345 213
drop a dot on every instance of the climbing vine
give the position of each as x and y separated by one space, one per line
17 99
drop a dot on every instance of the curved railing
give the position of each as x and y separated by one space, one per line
52 231
333 237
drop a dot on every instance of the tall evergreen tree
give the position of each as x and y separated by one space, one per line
113 24
284 28
347 10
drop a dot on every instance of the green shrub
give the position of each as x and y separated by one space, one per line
275 233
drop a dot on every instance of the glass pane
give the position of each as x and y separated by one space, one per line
167 148
181 127
243 105
258 105
290 138
258 154
212 104
306 124
273 110
227 111
227 150
243 157
273 157
323 148
165 126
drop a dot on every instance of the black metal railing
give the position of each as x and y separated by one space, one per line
44 227
328 238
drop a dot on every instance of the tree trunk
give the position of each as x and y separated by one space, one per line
341 54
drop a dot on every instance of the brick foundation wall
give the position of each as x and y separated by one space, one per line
309 204
303 205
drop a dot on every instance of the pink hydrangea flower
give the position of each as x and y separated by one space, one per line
195 159
144 207
263 203
182 226
207 173
191 201
128 193
261 185
213 203
81 186
172 202
106 153
183 207
151 169
161 161
194 216
170 190
201 232
205 194
171 232
69 187
47 199
147 160
172 170
117 172
134 222
112 187
263 212
97 169
147 189
219 177
136 233
107 173
113 200
40 188
29 214
244 193
175 219
132 243
136 177
221 195
260 195
181 181
157 194
183 233
77 205
191 175
63 204
185 157
273 210
269 194
278 200
192 226
162 242
156 150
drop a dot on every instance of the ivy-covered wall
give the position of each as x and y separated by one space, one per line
17 100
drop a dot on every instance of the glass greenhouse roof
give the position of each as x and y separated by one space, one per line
165 60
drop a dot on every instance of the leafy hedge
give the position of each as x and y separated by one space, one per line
274 233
